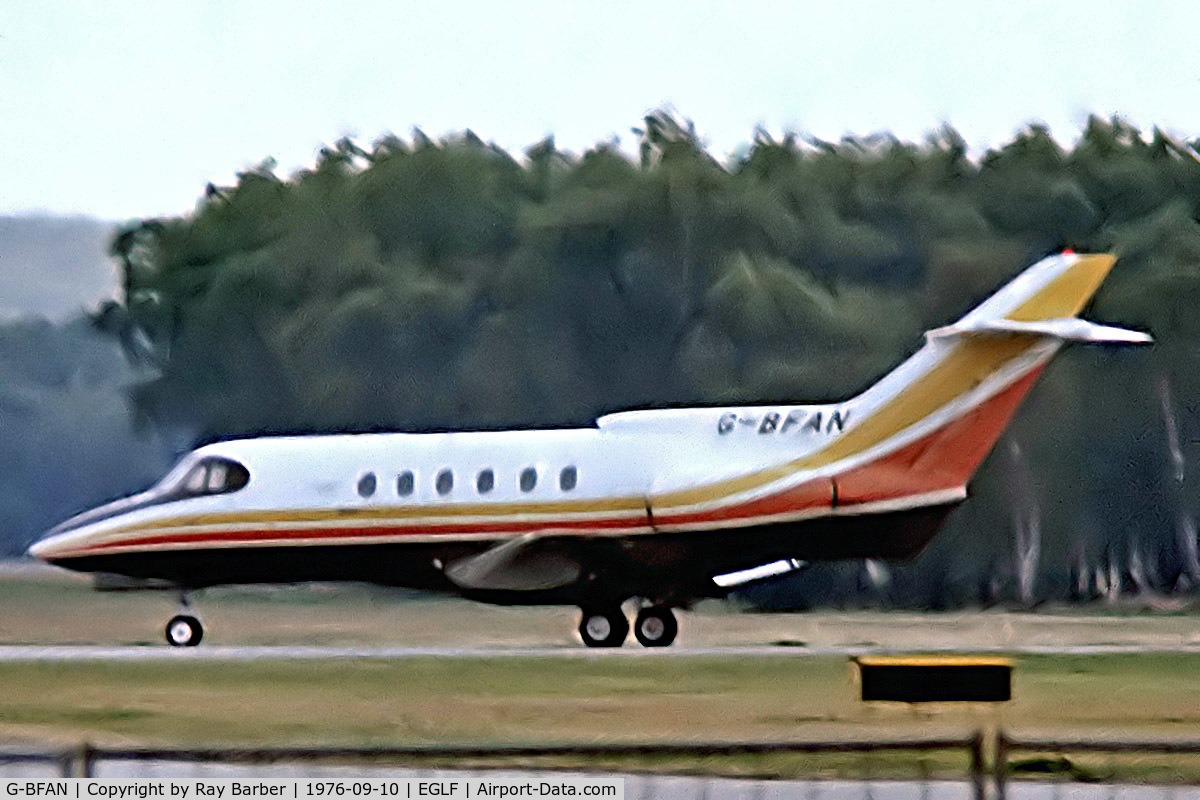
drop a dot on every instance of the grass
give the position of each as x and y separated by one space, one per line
547 700
529 700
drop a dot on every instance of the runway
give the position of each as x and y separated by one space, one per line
52 616
243 653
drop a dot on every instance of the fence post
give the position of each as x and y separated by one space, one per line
77 763
977 773
1000 767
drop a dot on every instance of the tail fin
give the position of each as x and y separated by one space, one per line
939 413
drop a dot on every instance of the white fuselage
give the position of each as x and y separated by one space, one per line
615 472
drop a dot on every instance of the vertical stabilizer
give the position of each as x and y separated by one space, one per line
945 407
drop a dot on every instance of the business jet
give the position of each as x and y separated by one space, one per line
661 507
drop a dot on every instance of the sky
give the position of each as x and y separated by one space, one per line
123 109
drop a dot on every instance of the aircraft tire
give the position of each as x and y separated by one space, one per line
603 627
184 630
655 626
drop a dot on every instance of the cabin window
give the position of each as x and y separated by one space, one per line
366 485
445 482
568 478
404 483
485 481
528 479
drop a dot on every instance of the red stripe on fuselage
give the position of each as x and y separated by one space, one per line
814 494
341 532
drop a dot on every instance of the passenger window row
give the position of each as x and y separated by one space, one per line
485 481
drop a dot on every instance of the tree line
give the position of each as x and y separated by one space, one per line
421 284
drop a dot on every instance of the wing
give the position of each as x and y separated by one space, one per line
526 563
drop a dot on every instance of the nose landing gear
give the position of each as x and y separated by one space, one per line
184 629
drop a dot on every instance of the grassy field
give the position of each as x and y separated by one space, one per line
524 700
551 700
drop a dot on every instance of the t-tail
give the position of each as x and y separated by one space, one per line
927 425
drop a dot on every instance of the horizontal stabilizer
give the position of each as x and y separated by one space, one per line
1071 329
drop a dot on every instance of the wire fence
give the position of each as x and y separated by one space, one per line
945 768
1160 766
36 763
676 769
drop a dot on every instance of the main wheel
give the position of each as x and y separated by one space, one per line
184 630
655 626
605 627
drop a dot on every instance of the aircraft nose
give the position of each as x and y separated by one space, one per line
81 530
43 549
54 544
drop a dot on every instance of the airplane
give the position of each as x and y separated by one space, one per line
663 507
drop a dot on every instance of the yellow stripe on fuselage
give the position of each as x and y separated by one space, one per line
967 365
385 513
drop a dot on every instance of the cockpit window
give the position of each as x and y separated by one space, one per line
196 480
217 473
214 476
189 478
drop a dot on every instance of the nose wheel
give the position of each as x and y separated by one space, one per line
655 626
184 630
603 627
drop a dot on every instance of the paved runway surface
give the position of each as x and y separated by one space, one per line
68 653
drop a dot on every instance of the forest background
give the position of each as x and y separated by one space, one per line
418 285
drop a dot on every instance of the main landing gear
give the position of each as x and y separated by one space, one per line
654 626
603 627
183 629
